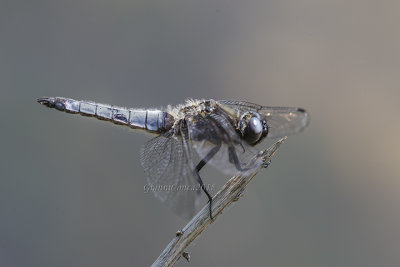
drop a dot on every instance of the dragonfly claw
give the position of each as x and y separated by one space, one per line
266 164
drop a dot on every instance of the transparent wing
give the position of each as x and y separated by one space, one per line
281 121
240 105
169 173
284 121
206 133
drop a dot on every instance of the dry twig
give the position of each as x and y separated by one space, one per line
228 194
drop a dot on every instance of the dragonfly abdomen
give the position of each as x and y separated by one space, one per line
150 120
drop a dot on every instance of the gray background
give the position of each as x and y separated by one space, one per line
71 188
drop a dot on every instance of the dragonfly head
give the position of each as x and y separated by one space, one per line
252 127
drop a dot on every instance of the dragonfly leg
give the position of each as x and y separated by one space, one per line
233 158
199 166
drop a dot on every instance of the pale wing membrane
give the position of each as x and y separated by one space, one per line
240 105
281 121
169 175
207 133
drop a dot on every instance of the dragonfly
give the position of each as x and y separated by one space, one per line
220 133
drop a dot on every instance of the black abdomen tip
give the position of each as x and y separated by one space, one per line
47 101
52 102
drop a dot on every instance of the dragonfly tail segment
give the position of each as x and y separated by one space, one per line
151 120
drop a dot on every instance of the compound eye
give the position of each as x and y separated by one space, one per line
254 130
255 126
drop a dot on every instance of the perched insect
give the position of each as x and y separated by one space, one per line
222 133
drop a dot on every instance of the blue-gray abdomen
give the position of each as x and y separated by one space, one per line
150 120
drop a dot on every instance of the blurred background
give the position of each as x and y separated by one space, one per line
71 188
